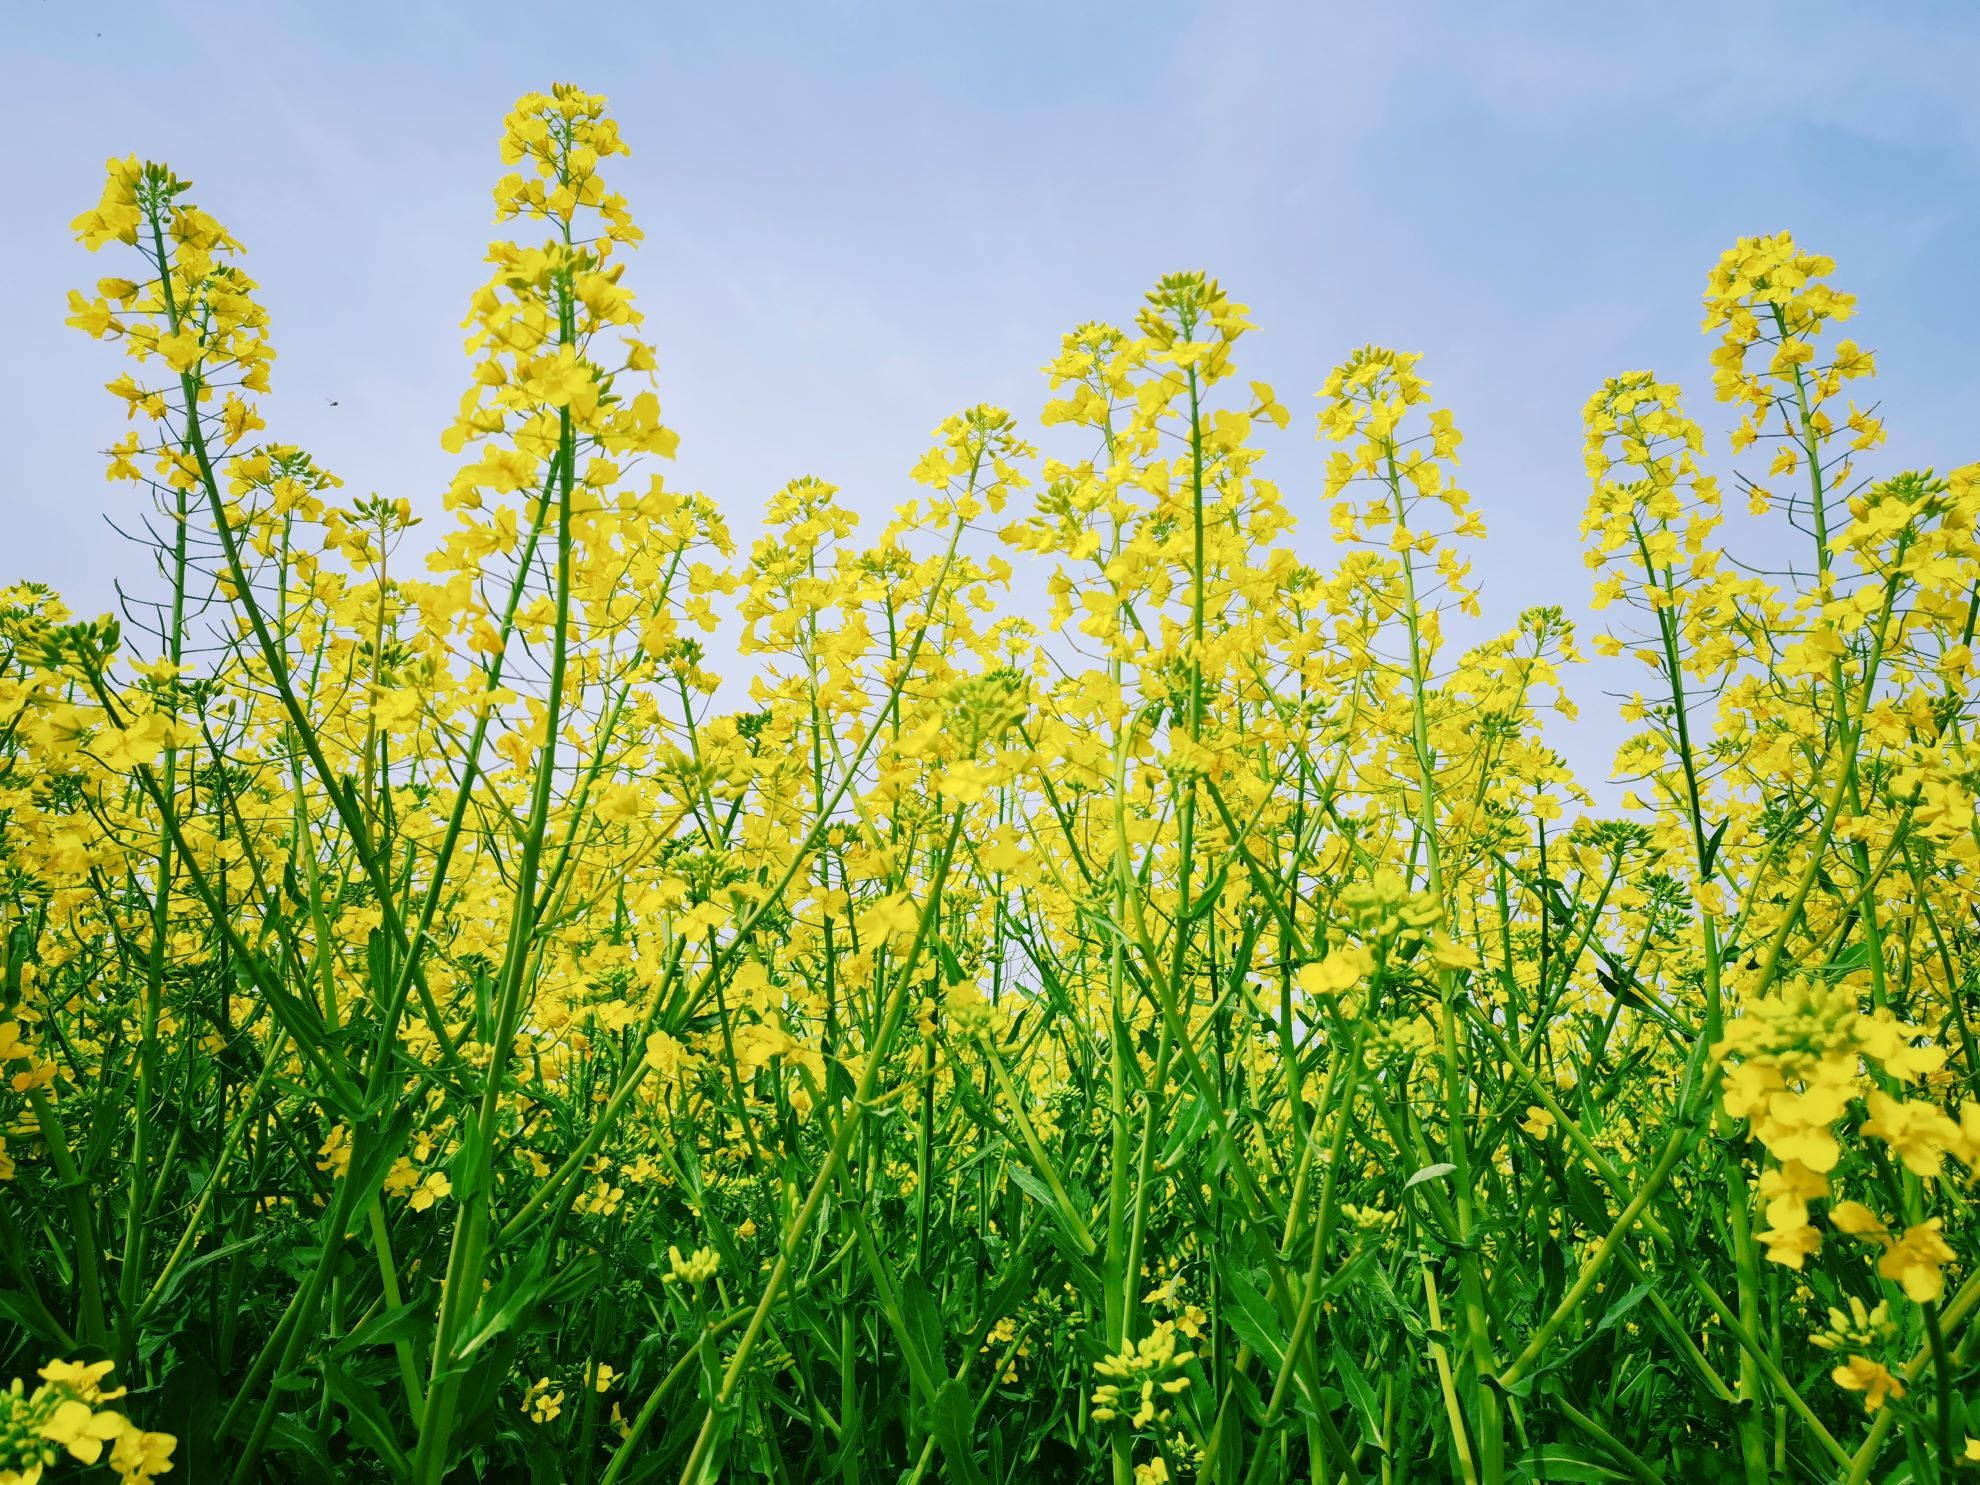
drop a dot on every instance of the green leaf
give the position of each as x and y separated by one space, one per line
1622 1307
301 1453
923 1318
1188 1131
18 1309
378 962
1429 1173
163 1304
1206 900
312 1037
1558 1464
511 1299
1355 1382
954 1417
1251 1315
1063 1232
369 1423
409 1321
1349 1273
952 970
373 1158
1712 849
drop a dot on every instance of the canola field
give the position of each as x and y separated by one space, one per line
1097 994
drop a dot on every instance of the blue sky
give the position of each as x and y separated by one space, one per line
861 217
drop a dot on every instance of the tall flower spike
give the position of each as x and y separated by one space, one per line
190 324
1766 295
552 330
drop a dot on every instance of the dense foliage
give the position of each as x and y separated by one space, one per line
1199 1033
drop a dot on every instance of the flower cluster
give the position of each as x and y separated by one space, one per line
64 1418
1140 1377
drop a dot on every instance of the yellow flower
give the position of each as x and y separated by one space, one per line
1859 1328
1338 971
697 1268
622 802
666 1056
601 1200
84 1378
137 1456
336 1151
541 1402
1139 1376
1791 1246
1449 954
1919 1133
81 1430
180 349
1787 1189
1916 1260
1857 1220
1861 1374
